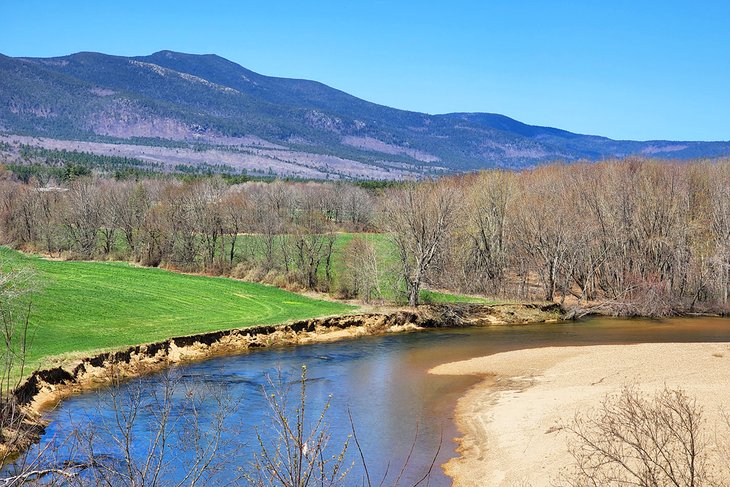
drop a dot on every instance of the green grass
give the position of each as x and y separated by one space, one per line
252 247
86 306
384 248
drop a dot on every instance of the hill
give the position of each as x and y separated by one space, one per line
173 108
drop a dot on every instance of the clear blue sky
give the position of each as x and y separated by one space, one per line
624 69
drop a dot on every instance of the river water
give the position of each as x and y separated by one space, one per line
382 381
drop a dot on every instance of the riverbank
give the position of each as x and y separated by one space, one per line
509 421
46 387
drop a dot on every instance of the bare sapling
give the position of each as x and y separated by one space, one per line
644 440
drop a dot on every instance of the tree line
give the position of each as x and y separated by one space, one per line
632 236
200 225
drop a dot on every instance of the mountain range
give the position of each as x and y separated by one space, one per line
172 108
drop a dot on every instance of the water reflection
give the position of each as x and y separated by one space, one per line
382 381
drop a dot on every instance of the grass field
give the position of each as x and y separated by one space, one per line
251 248
85 306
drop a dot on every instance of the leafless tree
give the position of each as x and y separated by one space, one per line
646 441
540 225
363 271
18 212
487 230
237 210
720 224
313 239
130 204
180 208
152 238
110 223
300 455
110 447
18 427
83 216
141 437
209 216
357 208
419 218
50 205
629 237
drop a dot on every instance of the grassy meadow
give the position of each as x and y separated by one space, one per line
251 249
86 306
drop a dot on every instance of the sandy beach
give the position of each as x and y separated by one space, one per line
509 420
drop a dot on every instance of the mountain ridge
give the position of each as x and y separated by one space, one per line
302 125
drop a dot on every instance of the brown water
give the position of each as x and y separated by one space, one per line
383 381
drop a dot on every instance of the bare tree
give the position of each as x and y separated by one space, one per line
155 238
18 427
720 224
83 217
272 210
130 204
540 225
180 209
313 239
142 437
357 207
633 439
18 213
110 223
209 216
236 218
363 271
50 205
629 237
419 218
300 455
486 229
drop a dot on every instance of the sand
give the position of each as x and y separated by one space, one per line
509 420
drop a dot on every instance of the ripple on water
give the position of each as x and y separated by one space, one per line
382 381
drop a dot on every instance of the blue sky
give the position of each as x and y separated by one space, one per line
624 69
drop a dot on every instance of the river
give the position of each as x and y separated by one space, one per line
382 381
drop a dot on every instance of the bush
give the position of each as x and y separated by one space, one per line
636 439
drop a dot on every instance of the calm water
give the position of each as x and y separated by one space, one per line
383 382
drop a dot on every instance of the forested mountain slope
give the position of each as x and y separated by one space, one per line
184 104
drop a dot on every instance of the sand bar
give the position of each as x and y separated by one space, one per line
508 421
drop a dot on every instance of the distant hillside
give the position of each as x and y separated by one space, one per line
172 108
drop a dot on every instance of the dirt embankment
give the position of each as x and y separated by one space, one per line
44 388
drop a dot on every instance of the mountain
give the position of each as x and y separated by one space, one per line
173 108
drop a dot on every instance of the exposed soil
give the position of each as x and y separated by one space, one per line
255 155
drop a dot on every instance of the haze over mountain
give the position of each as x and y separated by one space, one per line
174 108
